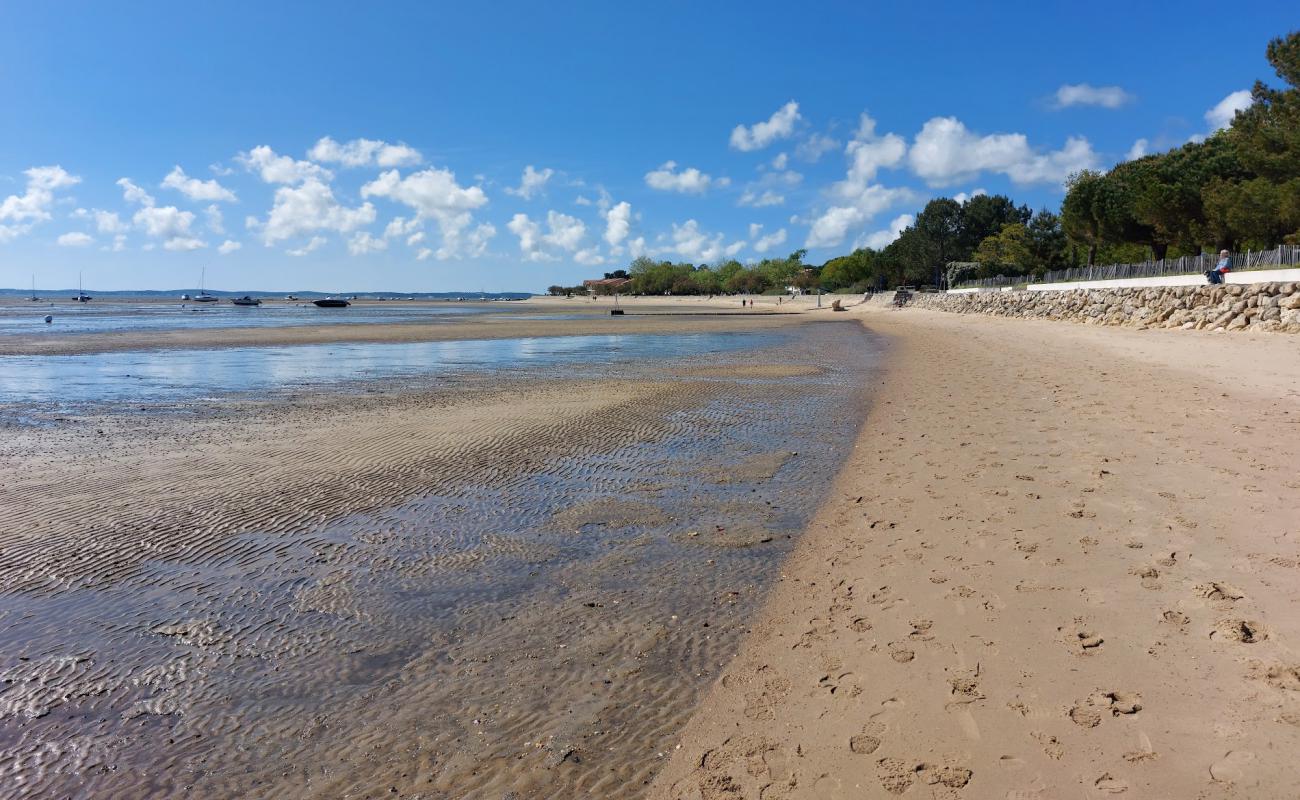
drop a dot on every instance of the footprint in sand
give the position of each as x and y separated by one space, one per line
1089 713
1217 592
1234 767
897 775
1245 631
1150 576
869 740
900 654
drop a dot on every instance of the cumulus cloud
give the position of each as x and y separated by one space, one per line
1139 149
362 243
764 243
105 221
759 135
195 189
532 182
75 239
216 223
274 168
858 198
814 147
694 245
1221 115
618 223
229 246
962 197
364 153
314 244
769 190
687 181
563 233
589 257
1083 94
310 208
879 240
168 223
946 152
19 213
435 195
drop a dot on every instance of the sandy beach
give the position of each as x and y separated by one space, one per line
1062 562
1009 559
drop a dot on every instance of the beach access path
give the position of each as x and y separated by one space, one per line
1063 561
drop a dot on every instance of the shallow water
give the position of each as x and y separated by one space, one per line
130 376
102 316
540 619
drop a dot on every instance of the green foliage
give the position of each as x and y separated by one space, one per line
1236 189
1007 251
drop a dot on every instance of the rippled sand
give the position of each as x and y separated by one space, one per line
518 584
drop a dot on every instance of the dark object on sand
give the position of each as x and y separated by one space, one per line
616 312
331 302
246 301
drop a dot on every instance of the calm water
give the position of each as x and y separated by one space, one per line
99 317
136 376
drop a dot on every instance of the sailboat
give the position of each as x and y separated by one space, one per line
81 297
34 298
202 296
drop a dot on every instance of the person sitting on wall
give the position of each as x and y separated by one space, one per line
1215 276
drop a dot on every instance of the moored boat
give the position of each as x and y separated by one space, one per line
246 300
331 302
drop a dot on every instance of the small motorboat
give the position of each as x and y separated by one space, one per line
290 297
331 302
246 301
204 297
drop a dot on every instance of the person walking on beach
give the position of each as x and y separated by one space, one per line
1215 276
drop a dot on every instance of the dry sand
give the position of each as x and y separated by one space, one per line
1062 562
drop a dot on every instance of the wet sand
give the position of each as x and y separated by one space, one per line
576 317
1062 562
508 585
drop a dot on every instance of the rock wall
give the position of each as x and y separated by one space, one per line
1233 307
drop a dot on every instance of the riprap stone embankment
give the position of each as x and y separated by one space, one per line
1233 307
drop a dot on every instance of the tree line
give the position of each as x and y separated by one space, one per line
1238 188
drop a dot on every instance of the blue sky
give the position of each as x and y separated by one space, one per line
509 146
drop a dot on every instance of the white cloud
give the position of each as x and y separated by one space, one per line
589 257
184 244
531 182
314 244
563 233
858 198
581 200
636 247
699 247
688 181
946 152
768 190
364 153
1221 115
781 160
415 238
168 223
759 135
1082 94
362 243
566 232
814 147
229 246
20 213
105 221
119 243
618 223
1139 149
435 195
75 239
195 189
309 209
215 222
529 234
882 239
962 197
401 226
274 168
765 243
424 254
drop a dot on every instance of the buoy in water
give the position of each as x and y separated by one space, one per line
49 318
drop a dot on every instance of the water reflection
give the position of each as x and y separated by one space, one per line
167 375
